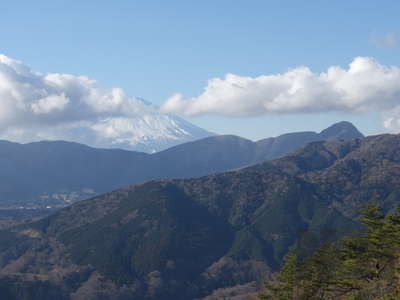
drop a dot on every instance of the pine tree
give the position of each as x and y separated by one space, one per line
357 268
286 285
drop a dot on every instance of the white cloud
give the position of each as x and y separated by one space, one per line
391 119
35 106
364 86
49 104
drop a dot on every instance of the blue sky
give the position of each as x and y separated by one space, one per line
154 49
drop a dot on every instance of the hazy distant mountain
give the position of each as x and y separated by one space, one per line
56 174
183 239
272 148
149 133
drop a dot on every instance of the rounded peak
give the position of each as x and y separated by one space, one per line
341 130
229 138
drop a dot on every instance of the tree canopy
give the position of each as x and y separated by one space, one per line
363 267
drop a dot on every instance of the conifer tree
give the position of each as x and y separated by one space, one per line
364 267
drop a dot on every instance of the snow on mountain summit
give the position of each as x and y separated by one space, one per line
36 106
152 132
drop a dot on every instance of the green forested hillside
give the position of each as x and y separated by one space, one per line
362 267
184 239
56 174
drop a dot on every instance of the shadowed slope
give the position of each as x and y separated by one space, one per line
56 174
181 239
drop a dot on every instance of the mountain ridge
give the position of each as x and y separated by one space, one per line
247 220
57 173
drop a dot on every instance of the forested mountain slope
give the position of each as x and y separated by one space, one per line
56 174
182 239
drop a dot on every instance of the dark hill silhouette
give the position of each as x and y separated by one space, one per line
57 173
183 238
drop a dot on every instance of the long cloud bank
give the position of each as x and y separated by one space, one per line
365 86
35 106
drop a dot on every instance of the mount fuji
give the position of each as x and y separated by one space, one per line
151 132
37 106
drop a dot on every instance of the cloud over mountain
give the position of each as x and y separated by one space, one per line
35 106
366 85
